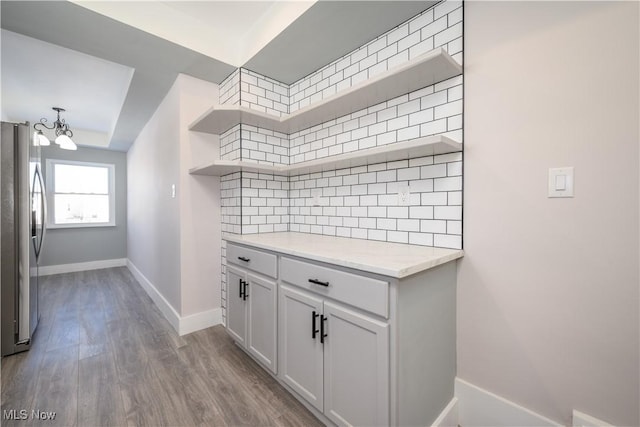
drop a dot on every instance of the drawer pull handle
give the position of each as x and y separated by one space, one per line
241 258
314 331
318 282
322 334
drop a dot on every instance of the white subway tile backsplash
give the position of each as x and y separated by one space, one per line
454 227
408 41
448 212
409 224
455 198
422 116
421 21
454 123
447 241
433 226
377 211
454 168
359 202
434 127
448 109
408 133
421 212
386 224
366 178
453 183
376 235
418 49
445 158
398 236
434 28
377 188
433 171
435 99
434 199
398 211
448 34
368 200
424 239
421 185
406 174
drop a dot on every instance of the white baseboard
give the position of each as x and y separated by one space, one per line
48 270
583 420
449 416
479 407
182 325
166 309
198 321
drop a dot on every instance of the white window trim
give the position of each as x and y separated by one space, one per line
49 184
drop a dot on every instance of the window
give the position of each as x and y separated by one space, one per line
80 194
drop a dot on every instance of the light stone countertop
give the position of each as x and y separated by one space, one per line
389 259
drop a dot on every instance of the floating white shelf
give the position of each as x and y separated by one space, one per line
419 147
224 167
424 70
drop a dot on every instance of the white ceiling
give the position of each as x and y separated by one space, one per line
37 76
110 63
207 26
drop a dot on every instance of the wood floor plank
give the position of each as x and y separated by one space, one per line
186 392
103 354
99 398
57 388
65 330
145 401
129 352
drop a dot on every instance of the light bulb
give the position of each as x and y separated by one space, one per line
40 139
66 143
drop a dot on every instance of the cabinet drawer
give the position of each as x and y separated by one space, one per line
260 262
359 291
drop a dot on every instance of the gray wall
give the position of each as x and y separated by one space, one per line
73 245
548 288
153 216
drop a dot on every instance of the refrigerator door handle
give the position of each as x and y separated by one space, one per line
34 229
43 211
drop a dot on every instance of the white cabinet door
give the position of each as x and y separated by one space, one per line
356 368
236 306
301 347
262 339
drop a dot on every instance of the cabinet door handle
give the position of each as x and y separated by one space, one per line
245 259
239 288
314 331
244 298
322 334
318 282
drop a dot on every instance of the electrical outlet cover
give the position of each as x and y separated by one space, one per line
404 195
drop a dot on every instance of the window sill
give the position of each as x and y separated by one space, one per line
89 225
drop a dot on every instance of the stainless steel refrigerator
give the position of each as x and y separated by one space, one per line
23 216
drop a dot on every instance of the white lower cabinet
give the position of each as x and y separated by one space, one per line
251 315
236 306
302 352
357 348
356 368
262 338
336 358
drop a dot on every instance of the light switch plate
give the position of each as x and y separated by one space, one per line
561 182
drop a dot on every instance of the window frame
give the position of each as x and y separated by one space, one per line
50 187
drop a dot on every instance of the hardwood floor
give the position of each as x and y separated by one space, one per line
103 355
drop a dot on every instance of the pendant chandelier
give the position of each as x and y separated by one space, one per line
63 133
